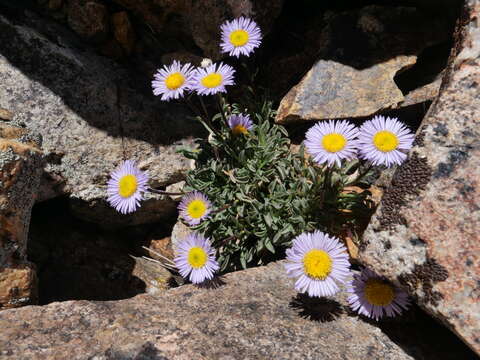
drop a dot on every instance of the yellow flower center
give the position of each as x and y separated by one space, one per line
196 209
317 264
127 186
334 142
379 292
197 257
385 141
174 81
212 80
239 37
239 129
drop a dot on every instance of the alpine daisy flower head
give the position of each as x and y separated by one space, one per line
196 258
384 141
194 207
126 187
318 261
172 81
240 124
332 141
240 36
213 79
373 296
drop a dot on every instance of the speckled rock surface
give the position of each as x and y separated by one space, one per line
357 53
21 164
255 314
180 231
92 114
423 94
425 233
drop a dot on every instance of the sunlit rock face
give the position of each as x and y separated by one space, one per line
425 234
92 115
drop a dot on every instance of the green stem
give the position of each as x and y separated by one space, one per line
360 176
220 106
161 192
204 120
204 107
327 177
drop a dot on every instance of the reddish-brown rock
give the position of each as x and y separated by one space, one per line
202 19
255 315
5 115
425 233
20 168
89 19
123 31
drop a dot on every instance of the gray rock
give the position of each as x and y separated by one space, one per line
180 231
331 90
422 94
91 114
156 277
21 163
424 235
254 315
358 53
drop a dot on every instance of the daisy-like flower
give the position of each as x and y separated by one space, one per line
331 141
318 261
196 258
384 141
240 36
194 207
213 79
126 187
172 81
240 124
373 296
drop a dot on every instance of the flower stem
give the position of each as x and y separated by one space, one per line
204 107
220 107
360 176
161 192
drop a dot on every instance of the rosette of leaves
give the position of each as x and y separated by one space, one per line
264 194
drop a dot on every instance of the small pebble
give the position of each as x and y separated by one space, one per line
6 115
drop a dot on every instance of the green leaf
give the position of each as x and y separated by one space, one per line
269 246
268 219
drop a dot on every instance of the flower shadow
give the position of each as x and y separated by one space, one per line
316 309
214 283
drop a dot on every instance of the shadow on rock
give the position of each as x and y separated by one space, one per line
316 309
214 283
66 86
420 336
148 351
77 260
